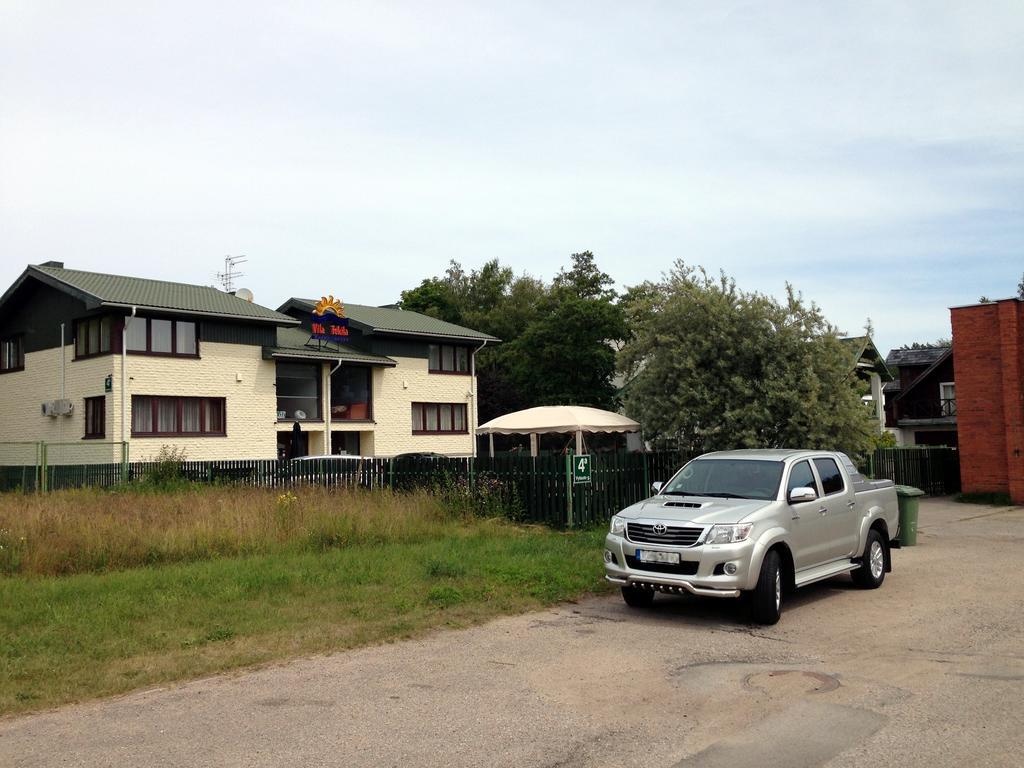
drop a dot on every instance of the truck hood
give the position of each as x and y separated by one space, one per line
698 509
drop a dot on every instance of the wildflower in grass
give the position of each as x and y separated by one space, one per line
284 515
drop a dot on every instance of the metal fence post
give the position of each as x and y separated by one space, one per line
44 481
568 488
39 467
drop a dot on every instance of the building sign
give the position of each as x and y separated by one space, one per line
329 321
108 383
581 467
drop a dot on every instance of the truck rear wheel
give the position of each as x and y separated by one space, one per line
871 573
637 597
766 599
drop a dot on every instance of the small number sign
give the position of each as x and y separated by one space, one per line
581 467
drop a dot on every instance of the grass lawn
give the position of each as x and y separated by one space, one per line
66 638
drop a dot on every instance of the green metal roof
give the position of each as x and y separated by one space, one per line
295 343
398 321
102 290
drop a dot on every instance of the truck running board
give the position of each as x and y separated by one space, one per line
827 571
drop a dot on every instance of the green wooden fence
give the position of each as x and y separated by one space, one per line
936 471
540 489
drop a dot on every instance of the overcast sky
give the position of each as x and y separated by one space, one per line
872 154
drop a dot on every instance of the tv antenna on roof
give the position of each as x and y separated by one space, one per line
227 277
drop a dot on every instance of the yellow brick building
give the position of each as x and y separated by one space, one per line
153 363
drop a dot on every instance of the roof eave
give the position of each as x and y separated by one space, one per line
432 335
283 320
90 300
326 357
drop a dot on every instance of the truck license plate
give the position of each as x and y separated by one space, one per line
645 556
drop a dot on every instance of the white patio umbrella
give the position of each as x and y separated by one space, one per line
546 419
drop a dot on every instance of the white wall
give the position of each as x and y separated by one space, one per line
22 394
236 372
394 392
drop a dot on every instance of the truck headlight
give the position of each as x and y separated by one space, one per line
618 525
728 534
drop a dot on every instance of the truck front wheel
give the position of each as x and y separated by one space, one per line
637 597
871 573
766 599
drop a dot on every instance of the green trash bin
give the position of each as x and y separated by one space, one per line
907 496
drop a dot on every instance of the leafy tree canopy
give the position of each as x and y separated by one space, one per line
565 355
929 345
711 367
555 338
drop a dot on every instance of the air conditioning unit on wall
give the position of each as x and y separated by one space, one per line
55 408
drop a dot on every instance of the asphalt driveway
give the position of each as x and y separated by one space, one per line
926 671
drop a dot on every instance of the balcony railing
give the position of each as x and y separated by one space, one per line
928 409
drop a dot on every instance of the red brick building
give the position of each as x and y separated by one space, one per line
988 347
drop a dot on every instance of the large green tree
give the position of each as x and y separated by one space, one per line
565 355
556 339
711 367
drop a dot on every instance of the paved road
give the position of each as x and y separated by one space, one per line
926 671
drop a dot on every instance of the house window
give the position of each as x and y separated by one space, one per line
351 393
12 354
445 358
177 416
157 336
93 337
95 417
298 391
438 418
947 398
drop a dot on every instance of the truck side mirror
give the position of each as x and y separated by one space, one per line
656 487
800 495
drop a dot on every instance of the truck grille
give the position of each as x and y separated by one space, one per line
684 568
675 536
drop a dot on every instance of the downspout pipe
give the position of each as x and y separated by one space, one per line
472 394
63 358
63 366
124 373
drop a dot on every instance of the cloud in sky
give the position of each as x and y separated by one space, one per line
870 154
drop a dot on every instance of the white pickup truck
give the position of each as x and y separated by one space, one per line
754 523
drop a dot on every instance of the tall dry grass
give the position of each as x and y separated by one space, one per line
90 530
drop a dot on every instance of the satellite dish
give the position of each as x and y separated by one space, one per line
245 294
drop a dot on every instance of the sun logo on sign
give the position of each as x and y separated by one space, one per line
329 304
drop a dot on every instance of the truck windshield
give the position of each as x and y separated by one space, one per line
727 478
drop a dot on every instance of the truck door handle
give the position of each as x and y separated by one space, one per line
851 504
823 511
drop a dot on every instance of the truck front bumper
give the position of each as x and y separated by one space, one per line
705 564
